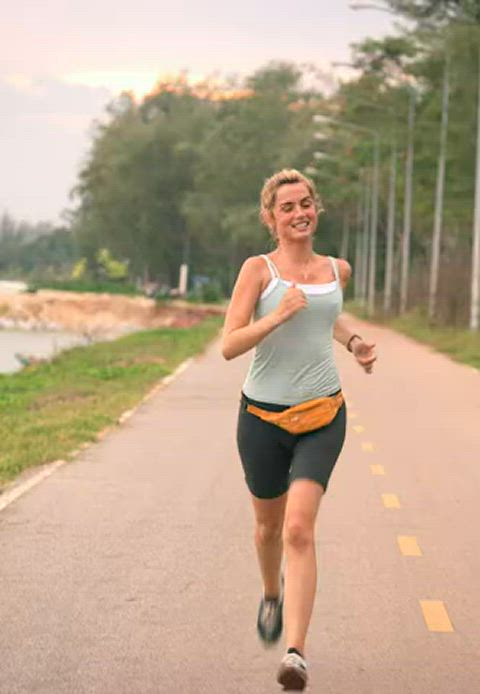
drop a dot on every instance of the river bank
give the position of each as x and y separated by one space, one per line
96 316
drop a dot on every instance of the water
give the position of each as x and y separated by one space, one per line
39 343
11 287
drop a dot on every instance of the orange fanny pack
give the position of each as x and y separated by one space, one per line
299 419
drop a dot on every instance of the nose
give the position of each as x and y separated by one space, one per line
299 210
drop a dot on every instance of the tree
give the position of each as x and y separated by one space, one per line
132 188
437 11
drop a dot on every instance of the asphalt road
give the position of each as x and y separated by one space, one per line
132 569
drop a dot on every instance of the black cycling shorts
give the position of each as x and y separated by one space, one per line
272 458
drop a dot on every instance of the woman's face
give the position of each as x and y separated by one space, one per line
294 215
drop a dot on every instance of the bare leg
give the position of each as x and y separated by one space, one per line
303 502
269 516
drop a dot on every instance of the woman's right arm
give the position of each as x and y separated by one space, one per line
239 333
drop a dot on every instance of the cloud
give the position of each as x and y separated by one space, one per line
44 136
23 84
116 81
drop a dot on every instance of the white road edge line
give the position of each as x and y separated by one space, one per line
48 469
8 497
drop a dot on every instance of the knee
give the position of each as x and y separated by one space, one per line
268 532
298 534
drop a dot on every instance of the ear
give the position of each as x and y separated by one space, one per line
268 219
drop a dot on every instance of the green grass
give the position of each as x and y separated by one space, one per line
460 344
48 410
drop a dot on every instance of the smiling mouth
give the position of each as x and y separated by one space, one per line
301 225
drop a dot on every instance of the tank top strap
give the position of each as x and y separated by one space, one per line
335 267
271 266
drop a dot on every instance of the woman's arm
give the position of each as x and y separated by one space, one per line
341 331
239 333
363 352
343 334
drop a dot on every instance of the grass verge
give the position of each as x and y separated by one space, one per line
460 344
48 410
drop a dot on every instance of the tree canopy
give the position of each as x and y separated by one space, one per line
176 177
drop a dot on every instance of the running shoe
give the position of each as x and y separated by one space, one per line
270 618
292 673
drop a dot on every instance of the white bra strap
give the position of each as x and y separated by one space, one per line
271 266
335 266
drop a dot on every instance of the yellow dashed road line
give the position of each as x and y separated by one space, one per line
436 615
434 611
391 501
377 469
409 546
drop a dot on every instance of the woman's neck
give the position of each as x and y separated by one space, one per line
296 253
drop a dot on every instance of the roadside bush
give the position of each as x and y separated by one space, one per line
209 293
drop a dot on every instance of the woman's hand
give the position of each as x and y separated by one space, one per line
364 353
293 300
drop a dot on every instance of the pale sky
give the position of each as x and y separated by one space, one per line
62 61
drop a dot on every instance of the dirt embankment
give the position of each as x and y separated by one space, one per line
96 315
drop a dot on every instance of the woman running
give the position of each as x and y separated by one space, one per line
292 417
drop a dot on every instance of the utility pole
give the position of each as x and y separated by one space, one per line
437 225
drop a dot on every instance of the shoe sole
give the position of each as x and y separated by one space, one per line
290 678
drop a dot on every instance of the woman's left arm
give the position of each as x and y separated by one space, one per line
364 352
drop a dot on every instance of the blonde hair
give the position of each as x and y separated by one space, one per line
268 195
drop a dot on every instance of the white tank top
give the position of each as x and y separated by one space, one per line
295 362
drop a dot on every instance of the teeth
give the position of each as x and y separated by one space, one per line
301 225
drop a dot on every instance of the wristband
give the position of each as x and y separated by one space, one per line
349 343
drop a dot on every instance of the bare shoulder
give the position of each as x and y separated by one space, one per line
253 277
254 269
248 287
344 270
255 264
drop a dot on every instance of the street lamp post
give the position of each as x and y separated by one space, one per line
387 294
374 228
345 236
390 236
475 290
437 225
365 240
358 245
374 200
407 215
407 220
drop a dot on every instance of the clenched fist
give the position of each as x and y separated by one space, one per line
293 300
